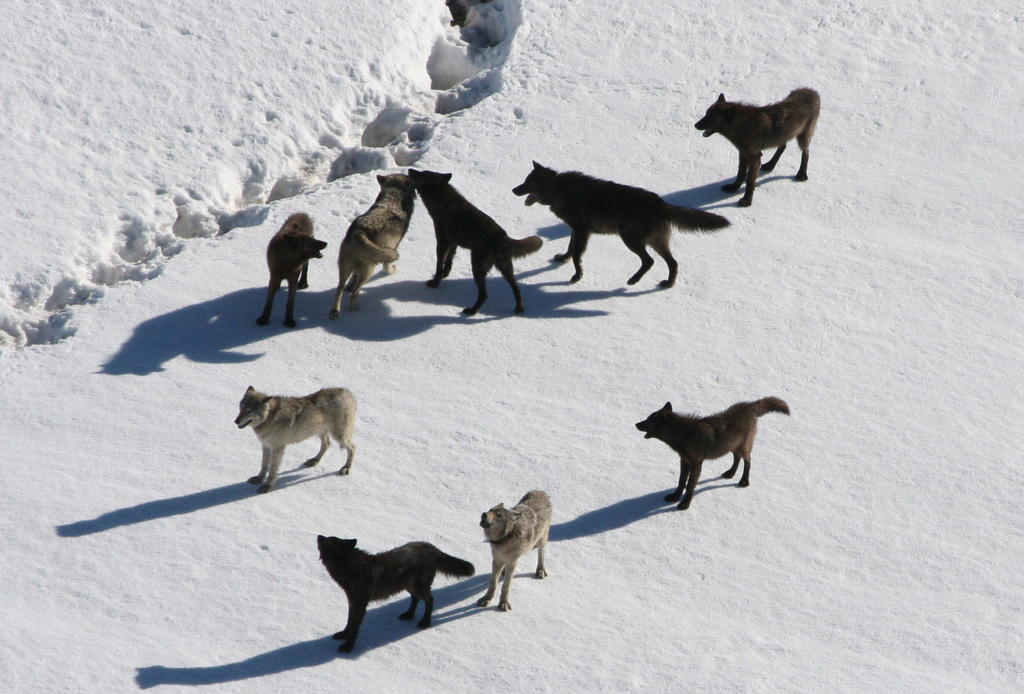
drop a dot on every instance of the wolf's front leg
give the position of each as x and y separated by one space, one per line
264 467
503 604
275 463
496 567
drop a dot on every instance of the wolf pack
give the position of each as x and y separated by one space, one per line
587 205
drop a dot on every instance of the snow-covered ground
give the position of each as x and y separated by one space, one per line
151 151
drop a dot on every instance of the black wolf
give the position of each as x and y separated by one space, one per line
697 439
593 206
288 256
458 223
755 128
365 577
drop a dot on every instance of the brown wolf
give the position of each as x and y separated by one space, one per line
373 238
697 439
513 533
458 223
755 128
365 577
593 206
288 255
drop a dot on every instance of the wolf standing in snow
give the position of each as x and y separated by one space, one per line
697 439
278 421
457 222
590 205
753 129
288 256
373 238
366 577
513 533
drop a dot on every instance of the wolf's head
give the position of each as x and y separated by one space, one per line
426 180
399 182
495 522
304 247
253 408
718 115
656 422
334 548
537 185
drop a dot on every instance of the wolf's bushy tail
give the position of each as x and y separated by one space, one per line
376 253
520 247
770 404
453 566
689 219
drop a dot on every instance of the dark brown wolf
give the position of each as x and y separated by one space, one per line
288 256
365 577
373 238
592 206
458 223
697 439
753 129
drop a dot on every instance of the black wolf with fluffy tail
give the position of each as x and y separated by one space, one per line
365 577
697 439
457 222
590 205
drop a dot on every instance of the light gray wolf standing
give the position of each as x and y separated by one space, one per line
590 205
373 238
288 256
697 439
755 128
457 222
279 421
513 533
366 577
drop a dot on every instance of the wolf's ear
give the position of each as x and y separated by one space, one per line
667 407
250 390
537 167
501 505
350 544
380 179
447 177
721 98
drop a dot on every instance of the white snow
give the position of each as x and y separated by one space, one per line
151 151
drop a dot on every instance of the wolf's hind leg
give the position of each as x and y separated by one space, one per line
325 443
770 164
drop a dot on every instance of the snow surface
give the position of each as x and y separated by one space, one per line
152 149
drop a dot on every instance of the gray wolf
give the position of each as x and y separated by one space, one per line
365 577
278 421
755 128
592 206
697 439
373 238
513 533
288 256
458 223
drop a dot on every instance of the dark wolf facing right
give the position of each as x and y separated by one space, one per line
697 439
368 577
752 129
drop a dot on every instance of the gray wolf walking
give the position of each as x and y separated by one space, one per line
513 533
592 206
755 128
458 223
365 577
288 256
373 238
278 421
697 439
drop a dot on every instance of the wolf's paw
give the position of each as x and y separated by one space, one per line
406 616
683 505
345 470
520 309
346 647
561 257
312 462
333 315
264 489
469 311
798 177
433 284
673 497
424 623
255 479
483 602
341 635
744 483
541 573
390 268
744 202
731 187
667 284
289 322
504 606
576 278
303 285
728 474
262 320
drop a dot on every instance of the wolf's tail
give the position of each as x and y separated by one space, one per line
689 219
766 405
374 252
455 567
520 247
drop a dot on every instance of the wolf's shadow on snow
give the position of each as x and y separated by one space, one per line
181 505
380 628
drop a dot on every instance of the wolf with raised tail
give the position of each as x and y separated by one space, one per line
591 205
697 439
279 420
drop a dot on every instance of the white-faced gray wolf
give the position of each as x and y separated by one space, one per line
288 256
590 205
513 533
458 223
697 439
373 238
366 577
278 421
753 129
